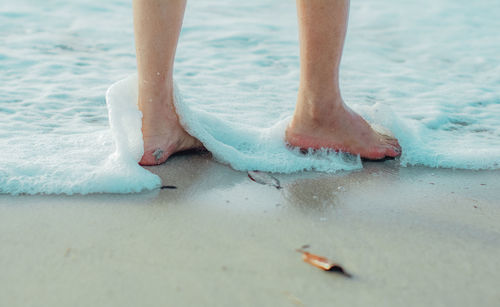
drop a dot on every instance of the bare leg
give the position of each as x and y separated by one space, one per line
157 24
321 119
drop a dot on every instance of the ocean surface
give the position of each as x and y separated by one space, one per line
429 71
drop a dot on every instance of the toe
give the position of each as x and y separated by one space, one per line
392 143
377 153
392 151
389 138
382 153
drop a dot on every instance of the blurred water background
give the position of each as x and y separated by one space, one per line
427 70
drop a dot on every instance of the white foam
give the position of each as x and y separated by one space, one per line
243 147
88 162
238 68
72 164
125 119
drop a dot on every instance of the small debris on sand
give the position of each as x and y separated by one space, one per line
171 187
323 263
293 299
68 251
265 179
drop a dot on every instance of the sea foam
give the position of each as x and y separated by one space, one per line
423 70
243 147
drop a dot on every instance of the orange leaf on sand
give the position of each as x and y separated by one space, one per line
322 263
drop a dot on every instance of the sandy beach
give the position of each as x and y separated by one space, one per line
73 74
409 236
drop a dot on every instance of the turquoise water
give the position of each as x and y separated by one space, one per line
428 70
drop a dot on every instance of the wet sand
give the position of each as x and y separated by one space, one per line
409 236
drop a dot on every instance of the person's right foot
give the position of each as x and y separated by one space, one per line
340 129
162 132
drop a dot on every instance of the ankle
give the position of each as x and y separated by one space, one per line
316 108
155 92
154 99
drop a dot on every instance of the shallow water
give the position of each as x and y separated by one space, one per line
427 71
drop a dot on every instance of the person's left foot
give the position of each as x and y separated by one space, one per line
343 130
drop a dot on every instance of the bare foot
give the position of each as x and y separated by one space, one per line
162 133
340 129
